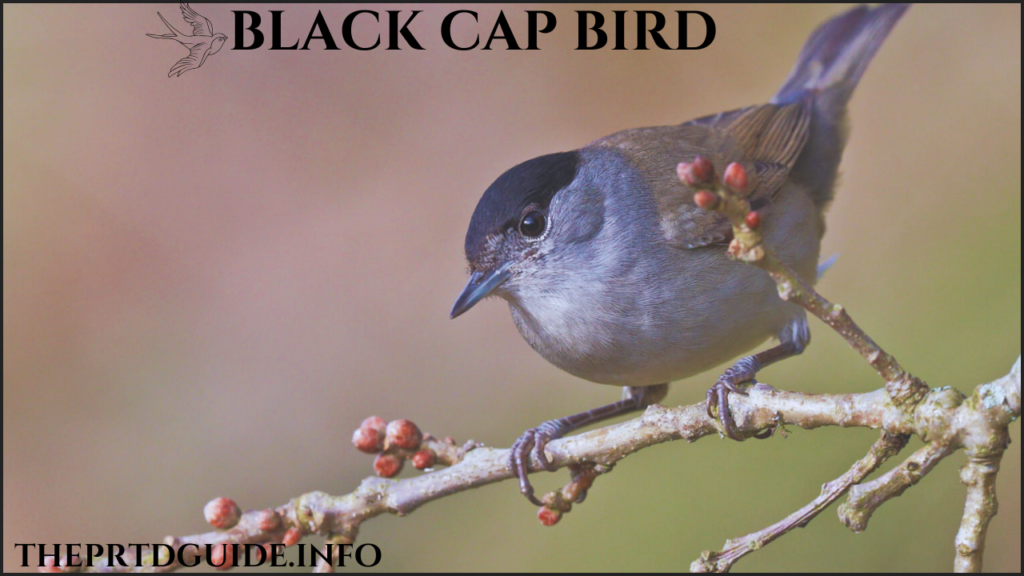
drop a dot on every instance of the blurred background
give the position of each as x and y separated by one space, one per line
209 281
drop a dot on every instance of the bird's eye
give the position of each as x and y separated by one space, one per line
532 224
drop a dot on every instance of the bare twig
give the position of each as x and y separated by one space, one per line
883 449
980 477
865 498
991 408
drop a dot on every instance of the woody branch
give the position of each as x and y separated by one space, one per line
945 417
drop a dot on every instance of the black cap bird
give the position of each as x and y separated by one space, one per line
614 275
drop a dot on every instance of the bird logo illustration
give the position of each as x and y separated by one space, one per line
201 44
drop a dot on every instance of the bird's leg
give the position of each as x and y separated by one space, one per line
793 341
634 398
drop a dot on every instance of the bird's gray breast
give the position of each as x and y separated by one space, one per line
665 319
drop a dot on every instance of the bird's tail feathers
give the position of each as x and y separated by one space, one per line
835 56
830 65
174 33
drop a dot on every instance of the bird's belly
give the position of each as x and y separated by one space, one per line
663 339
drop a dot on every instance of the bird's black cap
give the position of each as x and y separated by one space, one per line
533 182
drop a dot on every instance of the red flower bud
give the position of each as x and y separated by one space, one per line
753 220
703 171
292 537
423 459
374 422
684 170
403 434
268 520
368 440
699 171
548 517
222 513
735 177
705 200
387 465
50 565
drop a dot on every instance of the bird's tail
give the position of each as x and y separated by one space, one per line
174 33
831 63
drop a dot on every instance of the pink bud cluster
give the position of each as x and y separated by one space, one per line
393 442
557 503
701 173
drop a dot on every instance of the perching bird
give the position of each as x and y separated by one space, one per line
614 275
201 44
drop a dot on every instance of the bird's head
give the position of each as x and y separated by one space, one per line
531 225
217 43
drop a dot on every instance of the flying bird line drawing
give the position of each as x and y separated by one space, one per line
201 44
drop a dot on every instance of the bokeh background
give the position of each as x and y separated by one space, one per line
210 280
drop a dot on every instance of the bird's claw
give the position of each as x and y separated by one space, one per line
532 441
718 397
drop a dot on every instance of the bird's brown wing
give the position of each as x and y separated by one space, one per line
765 139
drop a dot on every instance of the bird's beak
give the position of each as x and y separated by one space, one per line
480 285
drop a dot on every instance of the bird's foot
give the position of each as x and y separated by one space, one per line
717 399
536 439
533 440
